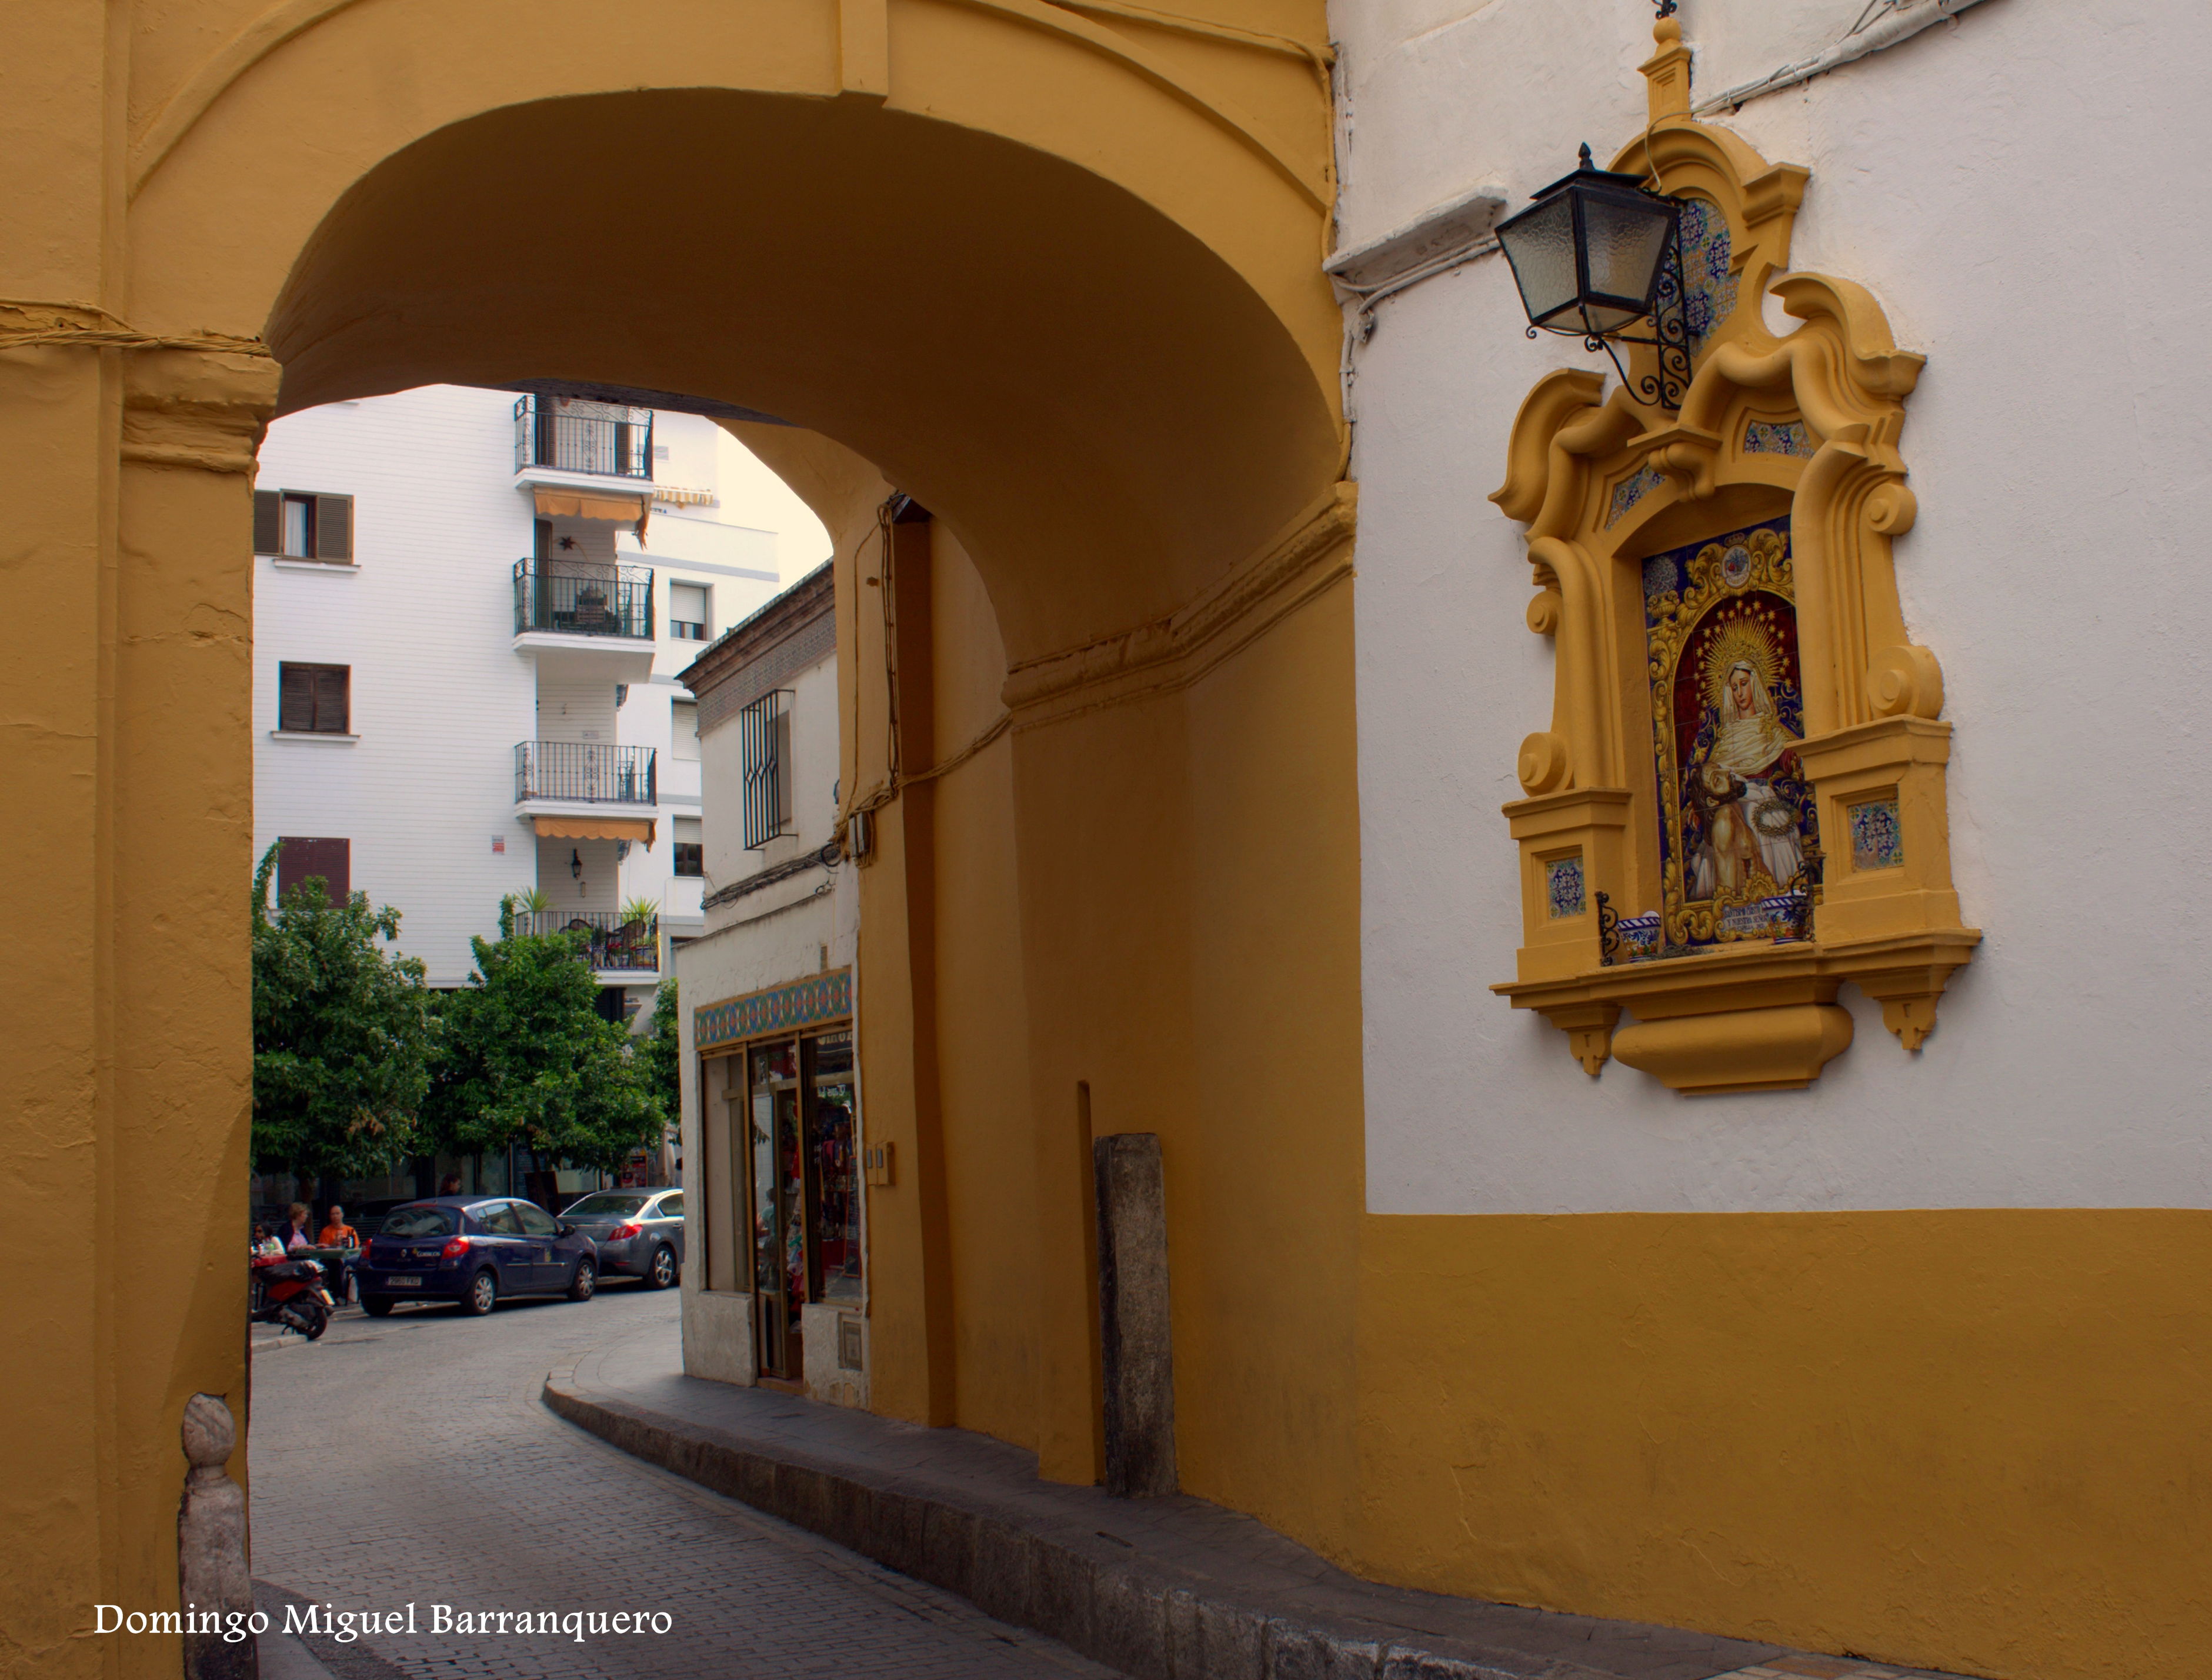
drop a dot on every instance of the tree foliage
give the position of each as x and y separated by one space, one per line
523 1057
660 1050
341 1033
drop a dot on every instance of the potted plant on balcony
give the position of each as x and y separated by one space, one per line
638 917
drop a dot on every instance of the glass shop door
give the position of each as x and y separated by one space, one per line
776 1163
833 1171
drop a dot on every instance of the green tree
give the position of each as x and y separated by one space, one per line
660 1050
523 1057
341 1033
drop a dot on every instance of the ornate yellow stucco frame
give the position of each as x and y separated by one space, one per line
1747 1016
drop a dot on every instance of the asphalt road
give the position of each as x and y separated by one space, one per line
407 1460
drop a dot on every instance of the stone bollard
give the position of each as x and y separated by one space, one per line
1136 1343
211 1569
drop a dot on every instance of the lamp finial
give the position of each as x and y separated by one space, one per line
1585 156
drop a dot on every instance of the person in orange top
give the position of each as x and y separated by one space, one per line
337 1233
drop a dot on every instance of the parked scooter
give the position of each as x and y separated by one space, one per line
289 1294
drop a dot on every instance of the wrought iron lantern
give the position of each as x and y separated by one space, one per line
1596 253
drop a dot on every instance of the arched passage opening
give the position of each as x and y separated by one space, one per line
1102 407
1060 282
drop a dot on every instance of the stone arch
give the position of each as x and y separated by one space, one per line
1054 266
1052 252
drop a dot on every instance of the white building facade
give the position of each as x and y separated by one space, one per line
470 608
1799 1333
772 1114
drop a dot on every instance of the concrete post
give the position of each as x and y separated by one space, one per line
1135 1344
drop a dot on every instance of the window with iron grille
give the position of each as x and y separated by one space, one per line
764 730
314 699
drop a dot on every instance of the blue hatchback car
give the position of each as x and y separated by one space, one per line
473 1249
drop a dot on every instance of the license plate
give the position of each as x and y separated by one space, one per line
404 1282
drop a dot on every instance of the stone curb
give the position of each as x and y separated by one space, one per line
1148 1620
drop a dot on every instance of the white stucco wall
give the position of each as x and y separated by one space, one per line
2006 187
442 695
439 696
750 542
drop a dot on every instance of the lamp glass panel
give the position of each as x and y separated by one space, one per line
1627 240
1540 243
1603 317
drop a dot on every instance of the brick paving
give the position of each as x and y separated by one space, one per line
1173 1586
409 1459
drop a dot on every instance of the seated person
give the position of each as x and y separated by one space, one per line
295 1231
336 1232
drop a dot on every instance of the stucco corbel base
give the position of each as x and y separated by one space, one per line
1746 1018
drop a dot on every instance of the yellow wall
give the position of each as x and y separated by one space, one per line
1056 276
1978 1440
983 1026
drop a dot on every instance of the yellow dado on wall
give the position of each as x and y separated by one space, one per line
1978 1440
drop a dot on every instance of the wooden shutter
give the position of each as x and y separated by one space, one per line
268 521
331 682
295 697
334 527
331 860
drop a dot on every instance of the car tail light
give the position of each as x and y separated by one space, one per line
454 1249
622 1232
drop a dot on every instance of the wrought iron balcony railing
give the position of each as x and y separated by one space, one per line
578 436
578 598
586 772
609 942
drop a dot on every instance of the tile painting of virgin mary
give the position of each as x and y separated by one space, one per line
1745 801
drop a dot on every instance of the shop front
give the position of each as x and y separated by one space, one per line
781 1202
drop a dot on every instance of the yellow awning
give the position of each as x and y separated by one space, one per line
594 828
593 504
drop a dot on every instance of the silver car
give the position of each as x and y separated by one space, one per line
637 1232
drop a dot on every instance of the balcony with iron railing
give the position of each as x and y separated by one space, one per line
610 944
583 598
600 439
584 773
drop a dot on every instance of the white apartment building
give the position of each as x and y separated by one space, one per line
470 609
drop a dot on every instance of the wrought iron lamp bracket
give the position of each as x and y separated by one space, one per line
1670 331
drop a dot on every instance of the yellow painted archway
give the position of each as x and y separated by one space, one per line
1052 268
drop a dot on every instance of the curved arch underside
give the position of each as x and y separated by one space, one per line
1101 407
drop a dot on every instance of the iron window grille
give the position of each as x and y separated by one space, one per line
314 699
764 729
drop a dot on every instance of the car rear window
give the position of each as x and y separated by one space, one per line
418 1222
606 1205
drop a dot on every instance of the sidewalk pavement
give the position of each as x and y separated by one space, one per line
1163 1589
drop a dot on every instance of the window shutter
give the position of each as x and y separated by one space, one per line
330 686
268 521
334 527
298 858
295 697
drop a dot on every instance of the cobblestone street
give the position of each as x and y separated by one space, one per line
409 1460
